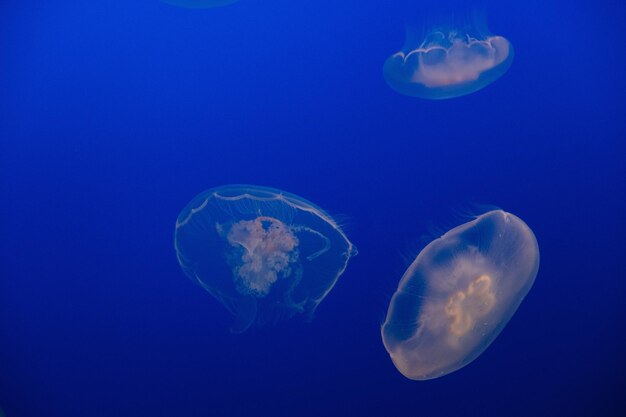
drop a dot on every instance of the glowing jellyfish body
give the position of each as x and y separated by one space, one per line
448 64
264 254
199 4
458 294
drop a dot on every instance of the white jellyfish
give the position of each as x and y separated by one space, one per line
458 294
265 254
448 63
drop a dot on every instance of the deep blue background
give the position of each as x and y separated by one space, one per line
114 114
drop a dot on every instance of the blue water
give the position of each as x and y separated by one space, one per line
113 115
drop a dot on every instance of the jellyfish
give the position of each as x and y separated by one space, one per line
458 294
199 4
448 63
265 254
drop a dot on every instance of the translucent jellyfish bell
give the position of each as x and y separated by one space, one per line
447 64
199 4
263 253
458 294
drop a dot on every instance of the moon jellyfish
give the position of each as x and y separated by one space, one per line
458 294
199 4
448 63
265 254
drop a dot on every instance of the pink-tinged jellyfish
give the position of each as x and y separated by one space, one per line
458 294
447 64
265 254
199 4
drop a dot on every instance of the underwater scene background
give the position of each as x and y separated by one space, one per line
114 115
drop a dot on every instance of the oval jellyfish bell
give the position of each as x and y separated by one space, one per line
458 294
265 254
447 64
